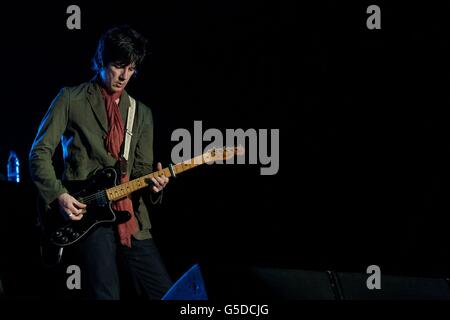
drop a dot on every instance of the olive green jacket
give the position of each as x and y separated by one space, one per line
77 119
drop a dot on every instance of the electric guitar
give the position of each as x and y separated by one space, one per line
103 188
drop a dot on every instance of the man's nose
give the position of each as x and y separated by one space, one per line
125 74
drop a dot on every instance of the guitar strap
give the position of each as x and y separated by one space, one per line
128 135
126 146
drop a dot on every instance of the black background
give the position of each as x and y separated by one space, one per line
362 114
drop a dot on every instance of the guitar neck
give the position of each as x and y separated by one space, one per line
125 189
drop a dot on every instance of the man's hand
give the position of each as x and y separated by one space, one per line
70 207
160 182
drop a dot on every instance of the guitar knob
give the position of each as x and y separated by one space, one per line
58 234
69 230
75 235
64 240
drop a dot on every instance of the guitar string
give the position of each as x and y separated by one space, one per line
95 196
92 197
102 193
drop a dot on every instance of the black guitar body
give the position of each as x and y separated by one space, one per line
61 231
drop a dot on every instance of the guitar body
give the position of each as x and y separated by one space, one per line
61 232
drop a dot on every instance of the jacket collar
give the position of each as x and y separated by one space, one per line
95 99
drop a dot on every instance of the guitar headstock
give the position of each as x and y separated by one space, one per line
222 154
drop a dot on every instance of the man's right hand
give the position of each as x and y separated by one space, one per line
70 207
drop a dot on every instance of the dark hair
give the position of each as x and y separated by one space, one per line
121 45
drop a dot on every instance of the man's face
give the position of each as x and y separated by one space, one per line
115 77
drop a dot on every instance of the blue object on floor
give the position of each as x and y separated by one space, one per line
190 286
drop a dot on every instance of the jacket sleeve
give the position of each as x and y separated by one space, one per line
143 160
47 139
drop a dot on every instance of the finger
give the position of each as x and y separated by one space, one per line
67 212
79 204
76 218
74 210
164 178
162 184
155 182
155 189
160 180
159 166
69 215
73 216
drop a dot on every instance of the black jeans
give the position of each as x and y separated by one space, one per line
108 268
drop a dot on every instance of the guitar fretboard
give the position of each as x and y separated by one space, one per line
125 189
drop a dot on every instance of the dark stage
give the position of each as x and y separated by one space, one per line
364 139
